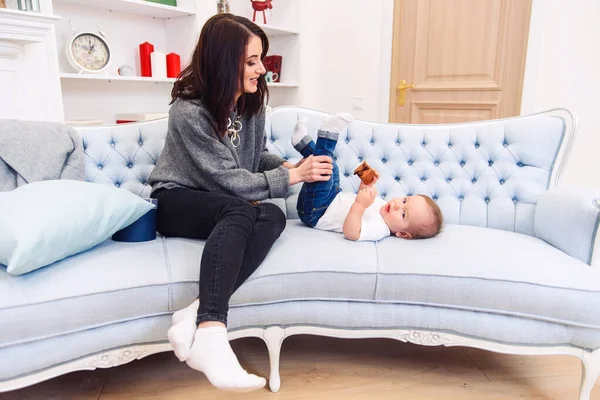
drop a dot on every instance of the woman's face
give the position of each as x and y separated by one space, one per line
253 66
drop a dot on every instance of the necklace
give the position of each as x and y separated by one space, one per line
233 130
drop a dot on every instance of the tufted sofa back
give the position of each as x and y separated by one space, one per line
487 173
123 155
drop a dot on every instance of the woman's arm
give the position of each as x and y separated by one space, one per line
269 160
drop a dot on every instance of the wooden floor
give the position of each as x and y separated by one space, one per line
329 369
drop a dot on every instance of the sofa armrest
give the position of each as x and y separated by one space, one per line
567 218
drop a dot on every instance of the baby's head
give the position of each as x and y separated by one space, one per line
413 217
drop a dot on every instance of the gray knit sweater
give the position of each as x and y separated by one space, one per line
195 157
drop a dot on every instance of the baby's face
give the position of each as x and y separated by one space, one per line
403 214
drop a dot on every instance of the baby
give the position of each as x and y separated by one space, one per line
361 216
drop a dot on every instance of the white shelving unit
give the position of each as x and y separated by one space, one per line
275 31
137 7
109 78
118 78
283 33
282 85
128 23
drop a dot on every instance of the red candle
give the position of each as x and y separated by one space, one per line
173 65
145 65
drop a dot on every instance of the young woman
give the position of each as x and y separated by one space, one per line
212 172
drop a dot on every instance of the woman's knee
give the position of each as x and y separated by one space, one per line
274 216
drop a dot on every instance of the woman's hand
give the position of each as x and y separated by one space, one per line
312 169
292 166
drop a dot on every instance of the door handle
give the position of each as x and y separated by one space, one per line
401 89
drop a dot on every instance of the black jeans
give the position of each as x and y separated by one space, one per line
238 237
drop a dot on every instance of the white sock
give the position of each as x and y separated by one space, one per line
299 131
336 123
212 355
181 337
190 311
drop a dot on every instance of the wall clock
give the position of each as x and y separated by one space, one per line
88 51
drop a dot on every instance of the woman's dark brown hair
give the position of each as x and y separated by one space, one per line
216 71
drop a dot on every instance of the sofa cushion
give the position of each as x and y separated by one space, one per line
463 268
54 219
85 291
490 270
303 263
503 273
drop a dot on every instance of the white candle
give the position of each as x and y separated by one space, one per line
158 61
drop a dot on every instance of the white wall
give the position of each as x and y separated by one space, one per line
343 45
347 53
563 70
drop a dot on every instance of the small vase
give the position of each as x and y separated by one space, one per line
222 6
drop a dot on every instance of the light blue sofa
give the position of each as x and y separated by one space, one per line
513 271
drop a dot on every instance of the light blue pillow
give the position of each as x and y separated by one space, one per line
44 222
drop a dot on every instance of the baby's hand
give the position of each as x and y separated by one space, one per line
370 185
366 196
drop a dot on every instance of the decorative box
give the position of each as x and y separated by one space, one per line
142 230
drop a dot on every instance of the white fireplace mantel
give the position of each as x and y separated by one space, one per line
25 27
29 74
